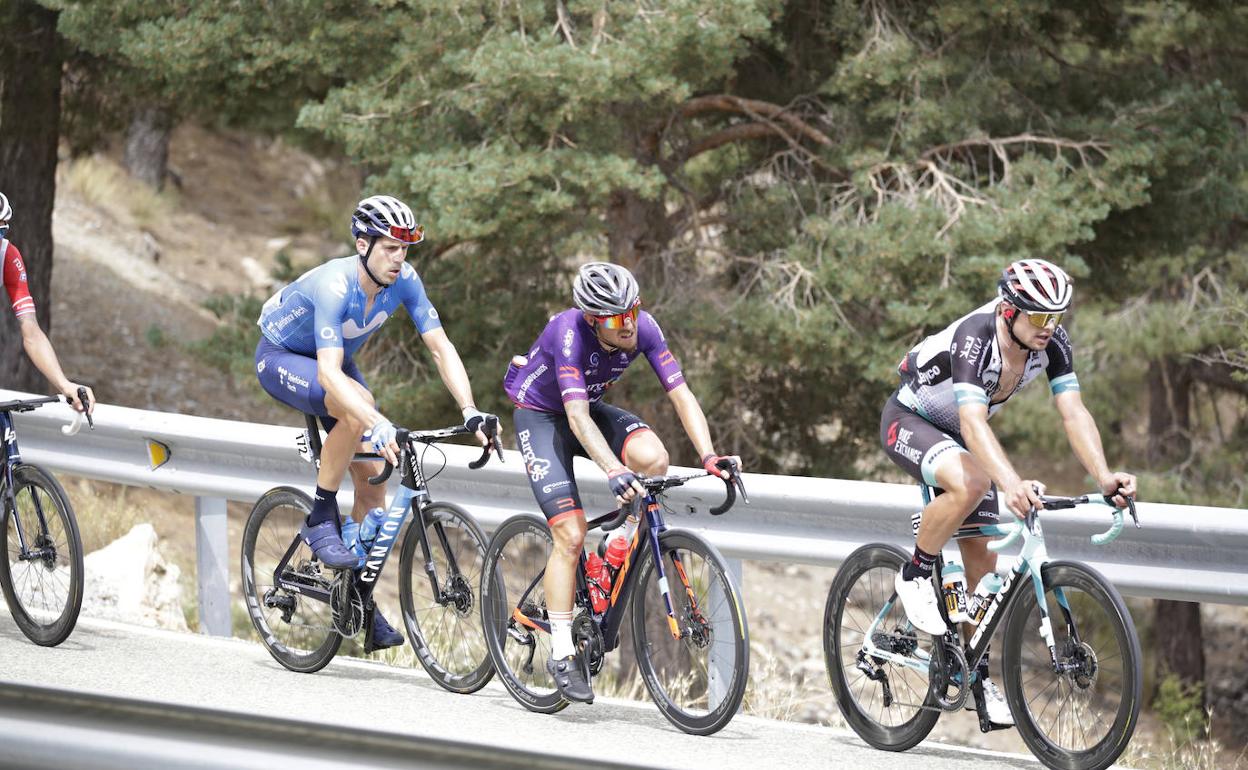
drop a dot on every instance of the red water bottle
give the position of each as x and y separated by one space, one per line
599 581
617 549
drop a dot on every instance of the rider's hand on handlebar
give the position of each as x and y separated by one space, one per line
381 438
624 485
721 465
474 420
1118 482
1023 497
70 391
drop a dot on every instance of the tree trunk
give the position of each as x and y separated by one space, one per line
1176 625
147 145
30 114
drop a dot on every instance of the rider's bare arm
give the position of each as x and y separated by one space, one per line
591 438
39 348
451 369
1085 440
693 418
1019 494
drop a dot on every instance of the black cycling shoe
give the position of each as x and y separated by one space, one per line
570 678
384 634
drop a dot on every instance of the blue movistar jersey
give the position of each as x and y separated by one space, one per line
325 308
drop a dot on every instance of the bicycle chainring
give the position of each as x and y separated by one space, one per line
587 638
345 605
948 669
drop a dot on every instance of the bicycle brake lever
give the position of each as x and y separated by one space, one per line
86 407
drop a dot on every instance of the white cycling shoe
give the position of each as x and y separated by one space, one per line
995 703
918 598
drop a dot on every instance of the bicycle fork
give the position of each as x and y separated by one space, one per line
699 628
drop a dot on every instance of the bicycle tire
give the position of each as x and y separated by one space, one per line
532 687
1114 633
457 659
63 571
308 650
695 698
901 733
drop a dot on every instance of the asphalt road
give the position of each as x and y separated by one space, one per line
163 667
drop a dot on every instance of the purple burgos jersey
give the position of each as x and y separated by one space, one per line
567 363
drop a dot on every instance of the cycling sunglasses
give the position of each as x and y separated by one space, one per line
410 237
617 321
1041 320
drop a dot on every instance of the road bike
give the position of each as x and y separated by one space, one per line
303 610
691 644
41 570
1072 686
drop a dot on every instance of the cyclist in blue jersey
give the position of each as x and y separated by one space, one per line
935 427
310 330
557 389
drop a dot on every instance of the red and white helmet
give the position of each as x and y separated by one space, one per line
6 211
1036 286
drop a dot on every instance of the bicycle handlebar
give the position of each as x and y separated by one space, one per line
76 425
655 484
404 438
1059 503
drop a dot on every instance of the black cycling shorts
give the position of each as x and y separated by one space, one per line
548 445
915 445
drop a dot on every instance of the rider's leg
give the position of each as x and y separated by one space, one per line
560 579
963 483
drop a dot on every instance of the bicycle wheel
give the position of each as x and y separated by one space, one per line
446 630
698 680
297 631
1084 717
44 592
516 555
885 708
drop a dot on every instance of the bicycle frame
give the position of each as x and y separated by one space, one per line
611 619
13 458
1028 565
413 494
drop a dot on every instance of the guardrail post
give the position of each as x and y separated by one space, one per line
721 668
212 573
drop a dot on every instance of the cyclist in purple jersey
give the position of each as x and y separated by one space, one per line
312 328
935 427
557 388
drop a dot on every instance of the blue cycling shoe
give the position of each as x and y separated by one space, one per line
384 634
327 545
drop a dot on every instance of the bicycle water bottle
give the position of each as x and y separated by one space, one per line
351 537
988 586
617 549
599 581
368 528
953 586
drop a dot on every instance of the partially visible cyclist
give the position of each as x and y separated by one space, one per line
557 389
34 341
935 427
310 331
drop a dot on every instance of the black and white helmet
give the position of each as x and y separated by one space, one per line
1036 286
6 211
602 289
385 215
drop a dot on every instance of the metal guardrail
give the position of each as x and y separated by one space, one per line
45 727
1191 553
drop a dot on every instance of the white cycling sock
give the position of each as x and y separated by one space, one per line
561 635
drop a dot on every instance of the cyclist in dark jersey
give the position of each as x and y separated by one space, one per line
557 389
34 341
935 427
310 331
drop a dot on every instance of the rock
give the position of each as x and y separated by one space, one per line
129 580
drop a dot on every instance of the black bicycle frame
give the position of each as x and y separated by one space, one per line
413 494
611 619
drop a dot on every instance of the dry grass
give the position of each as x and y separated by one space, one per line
103 515
1162 750
101 182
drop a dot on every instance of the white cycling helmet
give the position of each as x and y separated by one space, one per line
385 215
1036 286
603 289
6 211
